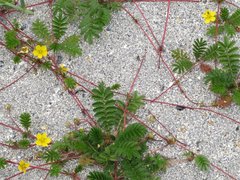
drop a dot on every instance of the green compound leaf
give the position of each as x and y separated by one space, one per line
24 143
94 17
135 170
17 59
182 63
224 14
40 29
59 25
51 156
106 112
55 170
96 175
156 163
212 30
229 29
96 136
70 46
182 66
229 56
25 120
78 169
68 8
236 97
133 132
3 163
234 19
219 80
46 65
202 162
11 39
115 86
199 48
211 53
70 82
135 102
179 54
127 149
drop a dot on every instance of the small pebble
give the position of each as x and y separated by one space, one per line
1 64
180 108
59 59
108 29
23 27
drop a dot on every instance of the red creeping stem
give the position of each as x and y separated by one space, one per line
195 108
81 78
232 4
9 146
16 80
224 172
166 23
131 89
76 99
164 127
149 27
136 76
11 127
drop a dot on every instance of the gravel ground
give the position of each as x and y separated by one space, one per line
113 59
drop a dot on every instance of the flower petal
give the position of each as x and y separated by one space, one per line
39 56
212 19
44 53
212 13
207 21
35 52
38 47
44 48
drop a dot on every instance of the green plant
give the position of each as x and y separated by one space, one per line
11 39
182 59
93 15
202 162
25 120
223 80
3 163
109 143
228 25
199 48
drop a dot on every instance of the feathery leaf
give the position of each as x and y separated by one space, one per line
40 29
11 39
59 25
202 162
25 120
199 48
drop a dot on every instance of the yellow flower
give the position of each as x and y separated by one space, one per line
42 140
63 68
209 16
24 50
40 51
22 166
